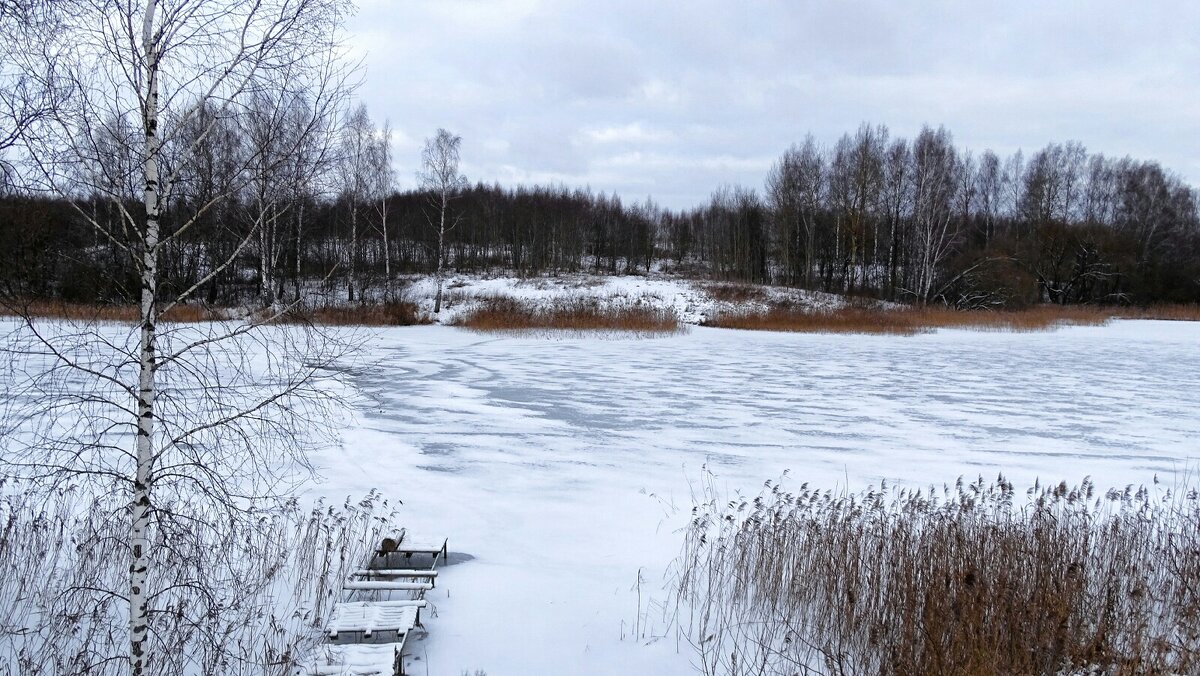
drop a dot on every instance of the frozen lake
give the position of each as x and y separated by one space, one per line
560 464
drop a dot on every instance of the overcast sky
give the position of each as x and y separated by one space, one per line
673 99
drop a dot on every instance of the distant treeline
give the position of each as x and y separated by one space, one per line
910 220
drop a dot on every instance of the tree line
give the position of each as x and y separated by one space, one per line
919 221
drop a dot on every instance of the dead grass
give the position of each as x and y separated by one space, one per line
399 313
504 314
1176 313
910 321
730 292
395 313
125 314
972 580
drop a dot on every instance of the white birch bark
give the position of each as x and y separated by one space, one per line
139 539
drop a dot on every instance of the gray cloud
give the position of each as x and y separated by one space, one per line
674 99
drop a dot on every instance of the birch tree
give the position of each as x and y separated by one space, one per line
794 190
442 181
357 141
936 172
383 183
193 429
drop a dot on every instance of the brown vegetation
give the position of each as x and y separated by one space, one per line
395 313
398 313
910 321
973 579
500 313
732 292
1177 313
127 314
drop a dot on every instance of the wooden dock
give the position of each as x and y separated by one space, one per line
369 636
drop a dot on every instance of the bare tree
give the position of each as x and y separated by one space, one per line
794 191
936 176
358 139
383 183
989 185
29 36
440 178
195 429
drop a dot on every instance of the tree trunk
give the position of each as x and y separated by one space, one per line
387 252
299 230
353 249
437 301
140 517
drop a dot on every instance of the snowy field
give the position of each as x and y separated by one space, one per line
564 465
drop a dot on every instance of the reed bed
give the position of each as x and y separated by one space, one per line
101 312
974 579
1175 313
392 313
911 321
509 315
253 603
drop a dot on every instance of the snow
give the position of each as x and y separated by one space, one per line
372 617
564 465
691 301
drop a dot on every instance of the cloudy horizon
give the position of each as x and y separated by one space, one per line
645 100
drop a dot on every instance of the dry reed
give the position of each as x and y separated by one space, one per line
124 314
504 314
910 321
394 313
397 313
970 580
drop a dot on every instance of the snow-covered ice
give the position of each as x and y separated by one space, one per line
563 465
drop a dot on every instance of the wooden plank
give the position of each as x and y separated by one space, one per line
418 547
386 585
389 544
395 572
367 618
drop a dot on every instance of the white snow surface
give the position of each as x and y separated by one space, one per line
691 301
564 465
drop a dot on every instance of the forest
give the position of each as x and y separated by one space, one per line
910 220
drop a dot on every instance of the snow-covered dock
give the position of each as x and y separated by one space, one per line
368 637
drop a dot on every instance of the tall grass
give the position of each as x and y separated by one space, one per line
910 321
972 579
257 608
504 314
125 314
392 313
